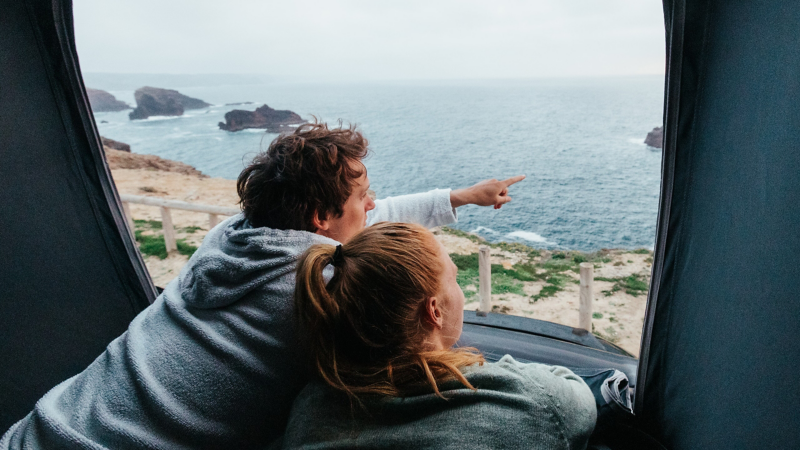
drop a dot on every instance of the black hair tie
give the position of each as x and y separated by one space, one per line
337 257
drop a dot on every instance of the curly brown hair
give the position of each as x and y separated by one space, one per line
309 171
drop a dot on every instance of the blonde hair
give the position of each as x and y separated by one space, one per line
364 329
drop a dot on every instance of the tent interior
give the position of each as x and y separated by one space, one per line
720 334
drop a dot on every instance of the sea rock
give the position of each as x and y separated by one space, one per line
655 138
116 145
274 121
102 101
152 101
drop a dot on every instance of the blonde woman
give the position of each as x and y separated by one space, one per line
380 337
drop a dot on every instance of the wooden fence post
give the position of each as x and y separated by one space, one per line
585 311
485 278
126 209
213 220
169 230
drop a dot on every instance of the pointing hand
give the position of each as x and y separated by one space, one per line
486 193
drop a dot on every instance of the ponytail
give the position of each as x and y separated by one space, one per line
316 309
363 329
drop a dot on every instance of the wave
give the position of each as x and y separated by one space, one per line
639 141
483 229
529 236
254 130
154 118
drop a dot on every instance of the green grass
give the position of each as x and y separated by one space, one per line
550 270
634 285
501 283
517 273
184 248
548 290
640 251
609 280
465 262
153 244
504 284
467 277
191 229
149 224
597 315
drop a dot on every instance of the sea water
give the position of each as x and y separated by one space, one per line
591 182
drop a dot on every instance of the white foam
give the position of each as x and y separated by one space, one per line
529 236
153 118
639 141
483 229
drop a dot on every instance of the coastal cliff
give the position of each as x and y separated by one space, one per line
264 117
152 101
116 145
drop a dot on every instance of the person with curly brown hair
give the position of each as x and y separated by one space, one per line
214 361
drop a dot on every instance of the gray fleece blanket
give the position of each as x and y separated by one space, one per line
212 362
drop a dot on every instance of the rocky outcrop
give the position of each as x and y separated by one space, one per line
116 145
655 138
274 121
102 101
152 101
122 160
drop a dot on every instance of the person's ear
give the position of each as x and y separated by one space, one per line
433 313
320 224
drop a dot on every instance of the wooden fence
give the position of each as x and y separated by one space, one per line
485 288
166 216
484 262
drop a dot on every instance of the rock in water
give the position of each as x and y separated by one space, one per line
116 145
655 138
152 101
273 121
102 101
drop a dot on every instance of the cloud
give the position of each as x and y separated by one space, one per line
358 39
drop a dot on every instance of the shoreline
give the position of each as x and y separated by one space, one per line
529 282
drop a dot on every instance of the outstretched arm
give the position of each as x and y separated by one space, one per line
486 193
438 207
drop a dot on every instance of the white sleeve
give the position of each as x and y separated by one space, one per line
429 209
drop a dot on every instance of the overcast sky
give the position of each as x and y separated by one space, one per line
378 40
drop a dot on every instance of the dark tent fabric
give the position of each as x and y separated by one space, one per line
721 342
71 277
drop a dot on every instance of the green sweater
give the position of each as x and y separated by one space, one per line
516 406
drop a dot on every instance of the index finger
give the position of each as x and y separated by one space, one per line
513 180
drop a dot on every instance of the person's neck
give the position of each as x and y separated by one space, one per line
434 341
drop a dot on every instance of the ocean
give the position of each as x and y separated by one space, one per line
591 182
